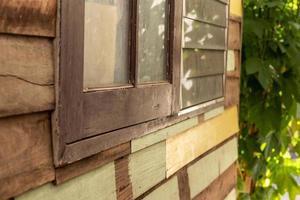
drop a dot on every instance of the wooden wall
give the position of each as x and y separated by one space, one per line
193 159
27 33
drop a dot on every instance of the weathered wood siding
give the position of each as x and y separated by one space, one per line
180 161
28 17
27 31
184 148
98 184
26 75
147 168
25 153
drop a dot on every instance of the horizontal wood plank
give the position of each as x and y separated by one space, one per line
26 154
211 11
28 58
158 136
26 75
202 89
73 152
147 168
221 187
234 37
184 148
30 17
202 173
97 184
18 96
123 108
167 191
68 172
203 36
198 63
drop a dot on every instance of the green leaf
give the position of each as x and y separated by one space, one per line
265 76
273 4
252 65
272 144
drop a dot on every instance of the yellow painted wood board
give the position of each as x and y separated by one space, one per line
185 147
163 134
236 8
98 184
147 168
167 191
206 170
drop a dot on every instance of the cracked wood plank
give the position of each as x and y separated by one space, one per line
19 97
26 75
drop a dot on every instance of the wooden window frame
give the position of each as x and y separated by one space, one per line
72 109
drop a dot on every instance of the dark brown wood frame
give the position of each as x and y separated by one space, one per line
78 111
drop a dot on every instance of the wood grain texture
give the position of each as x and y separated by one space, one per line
232 94
175 51
158 136
28 58
26 75
234 37
198 63
183 185
25 153
167 191
97 184
123 108
69 104
209 11
184 148
230 149
94 145
202 173
123 184
203 36
68 172
30 17
147 168
221 187
18 96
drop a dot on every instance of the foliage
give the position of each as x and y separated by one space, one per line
270 94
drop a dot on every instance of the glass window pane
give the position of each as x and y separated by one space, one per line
152 41
106 41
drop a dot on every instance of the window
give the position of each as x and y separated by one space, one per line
204 51
121 72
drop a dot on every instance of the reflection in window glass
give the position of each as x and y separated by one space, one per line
152 41
106 43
